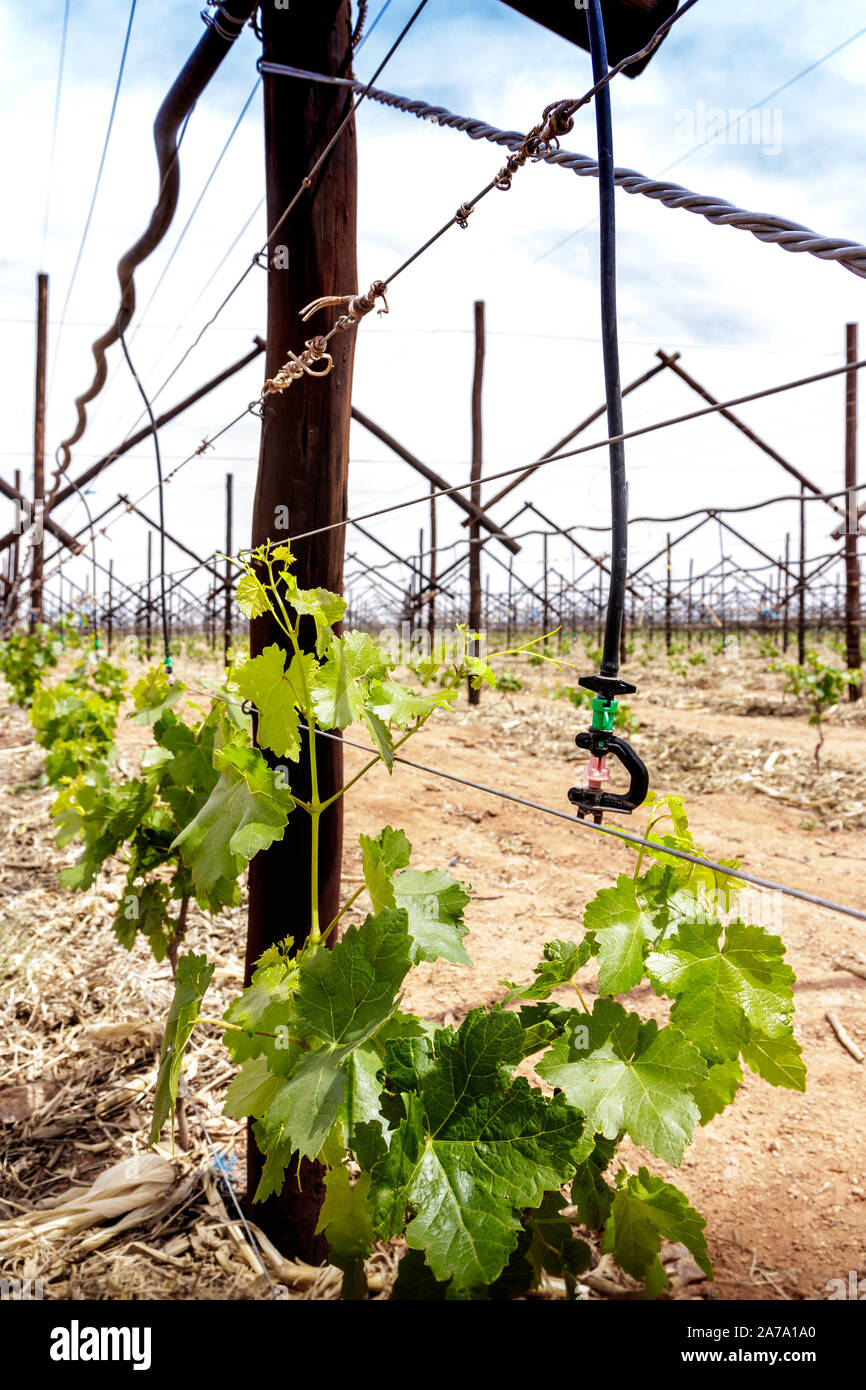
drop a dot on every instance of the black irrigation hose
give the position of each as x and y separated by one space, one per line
610 347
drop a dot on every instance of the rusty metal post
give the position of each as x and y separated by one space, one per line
149 620
475 476
801 611
227 611
852 564
39 449
431 607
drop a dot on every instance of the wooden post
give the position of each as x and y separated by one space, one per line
39 449
303 465
148 618
227 610
668 599
785 632
109 617
852 563
13 568
801 609
509 617
545 605
690 612
431 607
475 475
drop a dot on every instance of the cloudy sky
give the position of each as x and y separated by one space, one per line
743 314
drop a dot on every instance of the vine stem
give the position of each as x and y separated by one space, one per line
343 910
366 768
580 997
315 807
179 933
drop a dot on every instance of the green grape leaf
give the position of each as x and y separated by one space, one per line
321 605
562 960
342 680
153 695
193 977
723 992
107 814
304 1107
622 928
432 899
545 1245
475 1148
777 1060
191 749
381 857
261 1016
393 704
382 740
694 876
252 1091
345 1217
625 1075
541 1023
346 994
434 902
343 997
245 812
361 1111
590 1193
251 596
276 694
553 1248
145 909
645 1210
722 1083
364 1111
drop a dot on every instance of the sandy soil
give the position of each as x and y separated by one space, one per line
780 1177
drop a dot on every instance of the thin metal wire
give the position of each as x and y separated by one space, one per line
95 193
57 94
753 879
599 444
198 202
155 432
624 835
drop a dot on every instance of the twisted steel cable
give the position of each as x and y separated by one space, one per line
767 227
